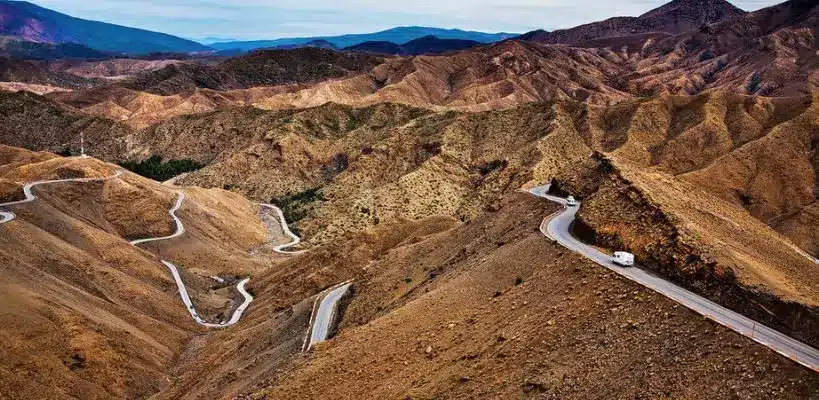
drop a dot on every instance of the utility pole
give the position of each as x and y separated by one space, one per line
82 145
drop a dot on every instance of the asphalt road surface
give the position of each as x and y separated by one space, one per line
556 227
6 216
294 240
183 291
325 314
180 229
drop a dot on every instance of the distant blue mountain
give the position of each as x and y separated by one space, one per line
423 45
402 34
34 23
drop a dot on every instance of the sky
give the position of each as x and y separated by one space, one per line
271 19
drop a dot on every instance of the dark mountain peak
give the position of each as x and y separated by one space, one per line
706 10
672 18
377 47
533 35
428 39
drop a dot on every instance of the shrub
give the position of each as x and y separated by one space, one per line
154 168
706 55
753 84
494 165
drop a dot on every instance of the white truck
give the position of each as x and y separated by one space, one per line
623 258
571 202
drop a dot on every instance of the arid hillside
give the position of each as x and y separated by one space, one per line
37 72
259 68
38 123
109 69
87 314
769 52
337 169
491 309
689 134
758 153
755 152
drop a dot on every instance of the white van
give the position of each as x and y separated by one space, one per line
623 258
571 202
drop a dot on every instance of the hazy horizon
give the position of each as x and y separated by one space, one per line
272 19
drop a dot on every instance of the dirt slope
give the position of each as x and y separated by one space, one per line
494 310
89 315
35 122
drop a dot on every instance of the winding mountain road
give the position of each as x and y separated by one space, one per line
6 216
180 228
183 291
322 318
556 227
294 239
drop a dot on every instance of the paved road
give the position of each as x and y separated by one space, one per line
556 227
180 229
183 291
323 317
6 216
294 240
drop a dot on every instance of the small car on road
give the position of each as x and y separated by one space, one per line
572 202
623 258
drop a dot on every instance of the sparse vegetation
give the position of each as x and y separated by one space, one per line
296 206
753 84
706 55
158 170
494 165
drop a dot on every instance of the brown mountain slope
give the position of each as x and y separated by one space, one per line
482 78
35 122
38 72
674 17
755 152
259 68
338 169
491 309
489 77
109 69
87 314
770 52
693 137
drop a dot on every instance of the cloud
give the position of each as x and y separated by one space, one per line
267 19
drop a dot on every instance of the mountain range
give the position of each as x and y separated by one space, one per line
397 35
671 18
422 45
34 23
689 136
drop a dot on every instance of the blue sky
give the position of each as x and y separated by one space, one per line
270 19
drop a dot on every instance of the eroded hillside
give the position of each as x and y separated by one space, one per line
90 315
492 309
